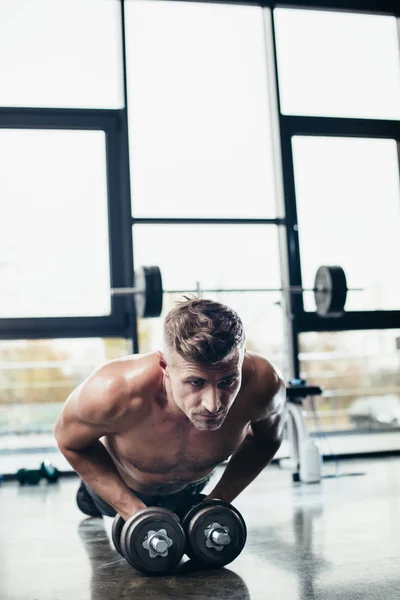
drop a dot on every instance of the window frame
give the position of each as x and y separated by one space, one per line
111 122
292 125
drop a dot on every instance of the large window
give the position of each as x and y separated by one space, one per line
360 372
201 147
37 376
198 109
338 64
53 224
218 257
348 204
63 54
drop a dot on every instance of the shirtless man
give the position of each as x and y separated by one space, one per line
148 430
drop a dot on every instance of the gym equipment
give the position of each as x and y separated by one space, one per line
49 472
33 476
192 501
28 476
152 540
116 530
305 460
330 291
148 292
216 533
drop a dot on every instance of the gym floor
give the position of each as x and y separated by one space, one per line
337 540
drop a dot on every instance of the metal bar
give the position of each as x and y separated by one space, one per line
339 127
60 327
385 7
211 221
198 290
293 274
290 339
57 118
129 291
131 321
354 320
291 290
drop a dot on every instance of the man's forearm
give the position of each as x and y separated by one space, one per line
245 464
95 467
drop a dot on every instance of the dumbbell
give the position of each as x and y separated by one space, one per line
152 540
215 533
33 476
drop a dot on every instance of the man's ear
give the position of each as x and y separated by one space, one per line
162 361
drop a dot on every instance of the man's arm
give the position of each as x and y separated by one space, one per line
94 409
257 449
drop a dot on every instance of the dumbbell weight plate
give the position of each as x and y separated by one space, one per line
198 521
117 526
330 293
135 533
149 296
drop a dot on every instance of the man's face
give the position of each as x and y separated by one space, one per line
204 394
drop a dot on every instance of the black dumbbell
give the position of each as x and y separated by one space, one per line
152 540
49 472
116 531
33 476
29 476
215 532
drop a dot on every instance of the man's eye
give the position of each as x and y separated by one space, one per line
229 382
196 383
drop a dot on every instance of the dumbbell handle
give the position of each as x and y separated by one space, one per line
220 537
158 543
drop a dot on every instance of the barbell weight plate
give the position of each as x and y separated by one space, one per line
330 291
135 533
199 519
149 294
116 531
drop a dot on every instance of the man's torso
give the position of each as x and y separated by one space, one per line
158 455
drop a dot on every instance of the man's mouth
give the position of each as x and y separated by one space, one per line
212 416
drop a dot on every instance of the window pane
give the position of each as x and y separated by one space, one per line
36 378
338 64
53 224
260 312
198 111
217 256
359 371
214 256
61 54
348 200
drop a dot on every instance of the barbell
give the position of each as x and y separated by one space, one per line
330 291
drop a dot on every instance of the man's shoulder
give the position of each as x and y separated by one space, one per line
264 381
131 368
119 384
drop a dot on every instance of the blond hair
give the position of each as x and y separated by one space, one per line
203 331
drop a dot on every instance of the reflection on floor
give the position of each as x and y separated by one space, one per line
338 540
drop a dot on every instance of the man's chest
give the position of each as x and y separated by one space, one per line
162 448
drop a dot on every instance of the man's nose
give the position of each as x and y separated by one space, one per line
211 401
